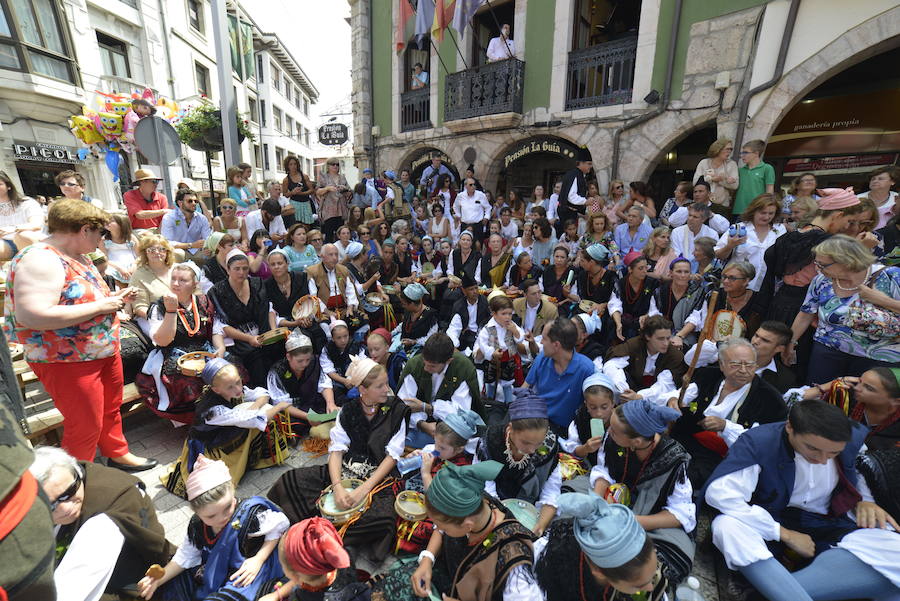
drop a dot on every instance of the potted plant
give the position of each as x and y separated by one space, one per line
201 128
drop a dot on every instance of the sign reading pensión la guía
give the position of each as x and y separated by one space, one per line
44 153
540 144
333 134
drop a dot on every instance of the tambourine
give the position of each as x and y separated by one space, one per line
328 506
192 364
454 280
587 306
410 505
375 299
727 323
274 336
525 512
307 306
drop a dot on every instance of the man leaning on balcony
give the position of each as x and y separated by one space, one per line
501 47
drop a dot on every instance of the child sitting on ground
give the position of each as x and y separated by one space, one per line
501 343
335 359
228 423
583 440
227 550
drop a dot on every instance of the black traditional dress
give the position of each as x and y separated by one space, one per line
553 286
635 303
252 318
418 329
365 443
651 484
303 391
564 574
284 305
340 361
181 391
214 272
494 274
515 276
788 263
529 481
241 438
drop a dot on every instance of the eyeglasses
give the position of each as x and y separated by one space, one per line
334 164
228 208
733 278
159 250
823 267
617 187
747 152
315 239
67 494
741 364
69 185
363 233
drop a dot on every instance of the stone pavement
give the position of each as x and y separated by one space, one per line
150 436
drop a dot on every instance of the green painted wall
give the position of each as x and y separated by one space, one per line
692 11
382 52
539 34
450 55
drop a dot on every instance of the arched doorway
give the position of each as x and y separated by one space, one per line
842 129
419 159
539 160
678 162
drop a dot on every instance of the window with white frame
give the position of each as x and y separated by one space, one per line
276 76
288 126
279 157
257 156
277 117
195 14
306 106
266 157
254 109
34 38
203 85
113 55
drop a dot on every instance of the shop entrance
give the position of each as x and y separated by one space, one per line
540 160
679 163
37 178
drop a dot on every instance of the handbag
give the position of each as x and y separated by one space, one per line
874 321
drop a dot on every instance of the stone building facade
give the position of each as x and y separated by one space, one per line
720 56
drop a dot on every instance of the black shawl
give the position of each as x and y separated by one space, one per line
368 438
519 482
282 304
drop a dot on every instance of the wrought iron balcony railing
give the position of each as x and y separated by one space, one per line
415 109
601 75
486 90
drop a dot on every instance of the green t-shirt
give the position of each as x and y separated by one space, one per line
752 183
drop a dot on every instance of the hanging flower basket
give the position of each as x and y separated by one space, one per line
201 128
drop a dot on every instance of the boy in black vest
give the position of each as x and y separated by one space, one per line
470 314
808 497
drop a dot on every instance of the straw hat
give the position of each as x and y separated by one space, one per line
144 174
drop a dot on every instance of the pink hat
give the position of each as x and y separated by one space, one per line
627 259
836 198
206 475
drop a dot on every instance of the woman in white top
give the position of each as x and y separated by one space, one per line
119 244
720 171
440 225
229 223
21 219
761 234
526 242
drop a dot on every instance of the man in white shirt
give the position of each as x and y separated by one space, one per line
886 200
532 313
553 203
470 313
683 236
501 47
472 210
273 187
700 196
268 218
809 497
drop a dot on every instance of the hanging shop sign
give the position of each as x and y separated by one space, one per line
39 152
333 134
843 164
550 144
867 122
425 158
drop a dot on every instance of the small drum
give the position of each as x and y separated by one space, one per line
454 280
727 323
410 505
307 306
274 336
375 299
329 509
587 306
618 493
192 364
525 512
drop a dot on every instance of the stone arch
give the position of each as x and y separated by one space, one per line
867 39
644 146
417 159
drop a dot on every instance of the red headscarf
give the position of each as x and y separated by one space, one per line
314 547
383 333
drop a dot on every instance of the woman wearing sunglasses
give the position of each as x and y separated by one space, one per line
107 532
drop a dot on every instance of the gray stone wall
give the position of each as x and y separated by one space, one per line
361 90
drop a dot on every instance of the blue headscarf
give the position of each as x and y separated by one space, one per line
527 405
415 291
212 367
464 422
647 418
598 252
608 534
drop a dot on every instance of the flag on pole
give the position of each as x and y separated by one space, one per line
424 19
405 24
443 14
465 10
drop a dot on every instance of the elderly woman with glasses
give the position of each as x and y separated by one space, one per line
735 313
151 278
107 532
857 302
331 191
60 309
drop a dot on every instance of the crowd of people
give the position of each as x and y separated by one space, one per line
561 384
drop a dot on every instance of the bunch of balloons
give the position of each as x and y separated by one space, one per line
111 129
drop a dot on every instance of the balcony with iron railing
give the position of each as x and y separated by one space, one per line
601 75
415 109
488 89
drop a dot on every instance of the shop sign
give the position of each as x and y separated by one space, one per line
844 164
426 158
549 144
333 134
40 152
